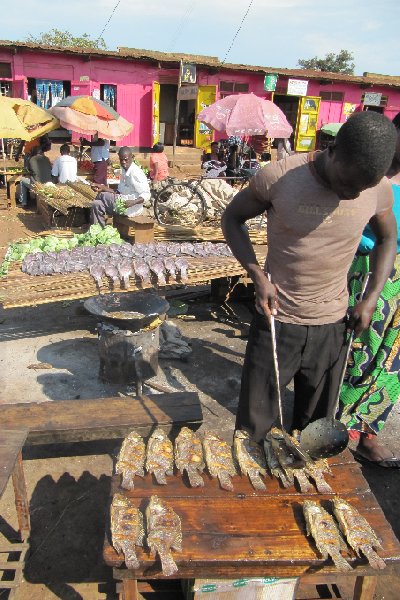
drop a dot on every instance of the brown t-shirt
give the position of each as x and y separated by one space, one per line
312 237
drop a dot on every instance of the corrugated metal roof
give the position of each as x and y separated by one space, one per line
212 62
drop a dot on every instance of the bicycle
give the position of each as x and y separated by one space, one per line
183 202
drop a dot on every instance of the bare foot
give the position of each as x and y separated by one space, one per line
372 450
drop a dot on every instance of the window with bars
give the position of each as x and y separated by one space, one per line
332 96
5 88
5 70
232 87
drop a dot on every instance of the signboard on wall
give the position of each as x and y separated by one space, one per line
96 94
297 87
188 92
372 99
270 81
188 73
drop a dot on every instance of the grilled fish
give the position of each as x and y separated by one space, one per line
163 533
156 266
170 266
112 272
127 529
273 464
321 526
97 273
219 460
142 270
131 459
182 265
358 533
250 458
189 456
160 456
315 471
125 270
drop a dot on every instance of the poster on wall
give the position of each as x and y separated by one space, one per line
297 87
49 92
188 73
96 94
270 81
348 109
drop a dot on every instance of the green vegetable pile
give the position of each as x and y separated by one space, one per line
120 206
93 237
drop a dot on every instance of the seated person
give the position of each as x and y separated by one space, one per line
213 155
265 158
65 167
213 169
250 164
39 168
233 162
133 188
158 163
29 148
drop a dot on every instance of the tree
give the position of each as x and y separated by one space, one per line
65 39
334 63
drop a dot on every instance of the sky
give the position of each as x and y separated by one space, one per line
276 33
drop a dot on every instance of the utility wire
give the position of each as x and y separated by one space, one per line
109 19
181 24
238 30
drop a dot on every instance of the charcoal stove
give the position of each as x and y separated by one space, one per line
128 334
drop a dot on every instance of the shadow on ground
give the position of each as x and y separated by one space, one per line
68 519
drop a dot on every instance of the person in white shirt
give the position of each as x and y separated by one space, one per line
284 149
133 188
65 167
99 155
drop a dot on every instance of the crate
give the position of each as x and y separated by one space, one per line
137 229
75 218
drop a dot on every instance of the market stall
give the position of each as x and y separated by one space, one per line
61 204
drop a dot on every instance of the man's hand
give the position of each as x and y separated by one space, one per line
266 295
361 316
99 187
129 203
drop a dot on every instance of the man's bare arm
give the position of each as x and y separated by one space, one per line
245 206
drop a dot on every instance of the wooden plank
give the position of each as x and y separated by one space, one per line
365 588
346 480
11 443
21 499
79 420
265 535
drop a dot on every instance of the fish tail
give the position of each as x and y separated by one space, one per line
160 477
127 480
168 564
195 479
256 481
131 560
374 560
339 561
322 486
225 481
304 484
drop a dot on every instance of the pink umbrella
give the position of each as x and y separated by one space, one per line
246 115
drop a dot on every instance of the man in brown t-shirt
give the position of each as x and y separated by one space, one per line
317 207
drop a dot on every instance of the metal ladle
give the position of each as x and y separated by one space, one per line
327 436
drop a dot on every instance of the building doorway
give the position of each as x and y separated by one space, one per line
289 105
186 120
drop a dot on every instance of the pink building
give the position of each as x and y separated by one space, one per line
142 86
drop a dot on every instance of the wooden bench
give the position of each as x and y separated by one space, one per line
102 418
11 443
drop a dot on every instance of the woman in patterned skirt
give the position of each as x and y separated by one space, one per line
372 384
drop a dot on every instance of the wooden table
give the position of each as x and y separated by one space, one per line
19 289
11 443
247 533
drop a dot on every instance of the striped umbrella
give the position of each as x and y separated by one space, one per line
88 116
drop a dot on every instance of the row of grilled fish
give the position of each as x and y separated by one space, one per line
163 528
192 454
120 262
328 533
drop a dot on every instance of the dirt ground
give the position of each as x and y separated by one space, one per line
68 485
